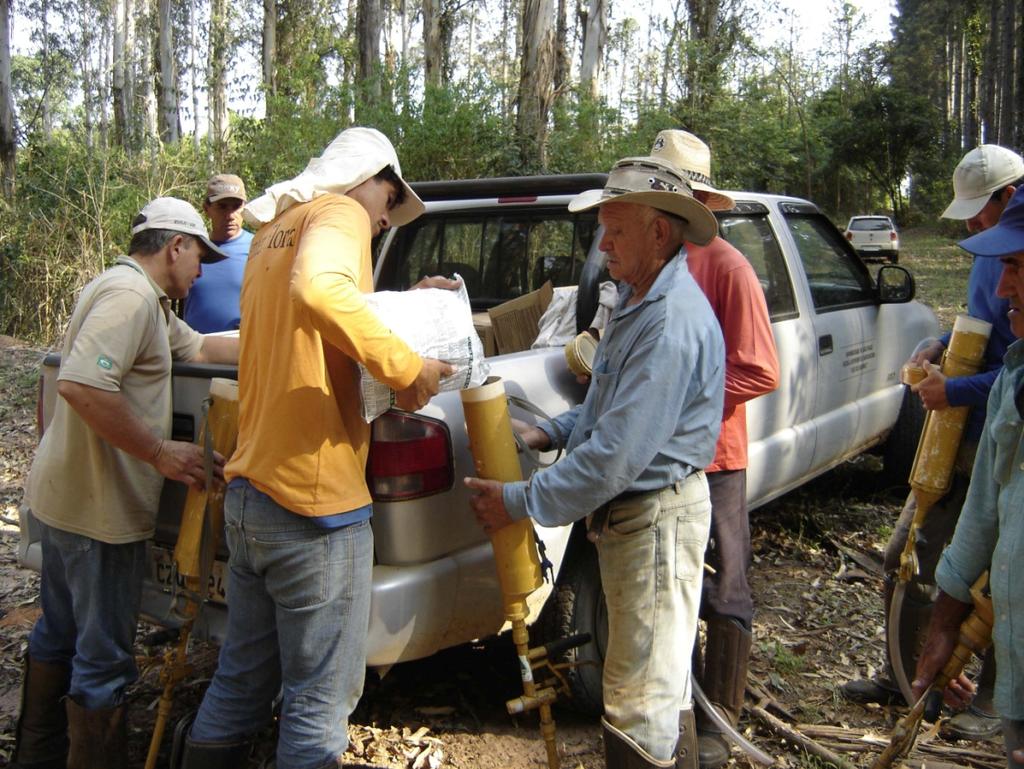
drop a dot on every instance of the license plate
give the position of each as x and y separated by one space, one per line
160 572
870 247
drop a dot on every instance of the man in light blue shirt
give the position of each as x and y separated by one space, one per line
636 447
213 305
990 532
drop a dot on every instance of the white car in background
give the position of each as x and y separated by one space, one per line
874 236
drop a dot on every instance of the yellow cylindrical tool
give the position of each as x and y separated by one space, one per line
932 474
974 638
221 425
496 458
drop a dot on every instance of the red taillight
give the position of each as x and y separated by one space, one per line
39 410
849 235
410 457
892 236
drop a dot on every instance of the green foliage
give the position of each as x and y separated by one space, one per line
781 658
70 219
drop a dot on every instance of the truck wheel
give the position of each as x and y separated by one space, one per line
577 606
901 445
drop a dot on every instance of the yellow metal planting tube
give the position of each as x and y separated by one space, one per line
932 474
222 426
515 551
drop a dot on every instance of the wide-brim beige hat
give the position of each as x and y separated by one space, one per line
651 182
692 157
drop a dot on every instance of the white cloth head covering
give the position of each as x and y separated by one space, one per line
357 154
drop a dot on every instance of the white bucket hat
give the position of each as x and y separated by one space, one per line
178 216
355 155
693 157
981 172
651 182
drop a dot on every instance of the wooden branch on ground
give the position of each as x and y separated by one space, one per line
806 743
861 741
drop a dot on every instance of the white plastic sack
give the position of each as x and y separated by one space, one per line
435 323
557 326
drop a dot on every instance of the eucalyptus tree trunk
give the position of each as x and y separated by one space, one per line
561 75
8 145
368 26
147 75
132 121
270 47
433 53
103 89
989 67
1008 86
669 60
594 22
536 79
45 109
117 91
219 58
1018 94
168 90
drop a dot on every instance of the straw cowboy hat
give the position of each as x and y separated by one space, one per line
653 182
691 156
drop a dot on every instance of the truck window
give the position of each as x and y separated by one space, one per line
753 237
837 278
500 254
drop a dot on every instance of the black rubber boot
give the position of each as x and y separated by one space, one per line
98 737
41 734
726 656
979 721
686 748
621 752
216 755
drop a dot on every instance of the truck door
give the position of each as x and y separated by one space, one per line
780 425
845 316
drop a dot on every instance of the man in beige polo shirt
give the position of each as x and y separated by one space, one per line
95 483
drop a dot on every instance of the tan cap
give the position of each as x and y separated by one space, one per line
693 158
176 215
980 173
225 186
652 182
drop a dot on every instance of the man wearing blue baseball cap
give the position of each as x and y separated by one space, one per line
990 532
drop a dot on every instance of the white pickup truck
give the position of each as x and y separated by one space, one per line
841 338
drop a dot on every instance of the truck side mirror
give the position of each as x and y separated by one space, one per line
895 285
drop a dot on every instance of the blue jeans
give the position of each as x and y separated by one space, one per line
90 593
651 555
298 612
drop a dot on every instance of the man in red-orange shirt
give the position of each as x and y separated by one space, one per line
751 369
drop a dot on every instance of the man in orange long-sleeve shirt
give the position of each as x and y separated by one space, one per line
297 508
751 369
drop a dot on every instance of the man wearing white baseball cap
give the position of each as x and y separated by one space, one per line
990 534
983 183
95 483
751 369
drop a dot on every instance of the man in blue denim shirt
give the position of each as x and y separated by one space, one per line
635 449
990 532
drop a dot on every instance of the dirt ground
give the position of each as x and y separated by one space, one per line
819 623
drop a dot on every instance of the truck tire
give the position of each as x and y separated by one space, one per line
577 606
901 446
